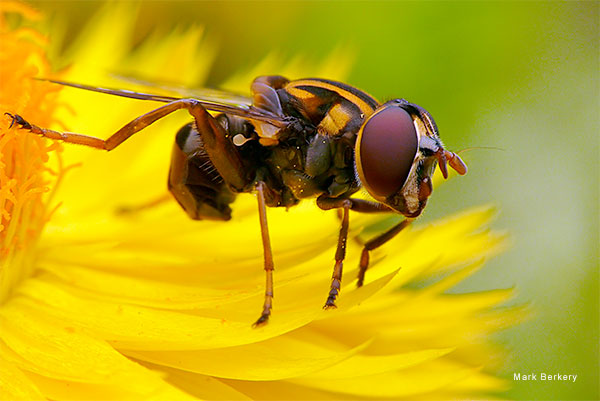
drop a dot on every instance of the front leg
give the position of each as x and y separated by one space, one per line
363 206
222 152
340 254
375 243
345 204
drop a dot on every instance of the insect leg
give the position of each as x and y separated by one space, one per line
375 243
51 134
357 205
268 255
220 149
340 254
364 206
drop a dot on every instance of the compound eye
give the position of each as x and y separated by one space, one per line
386 149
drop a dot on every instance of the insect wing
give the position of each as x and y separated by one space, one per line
208 94
215 102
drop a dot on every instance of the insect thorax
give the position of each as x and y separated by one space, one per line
309 167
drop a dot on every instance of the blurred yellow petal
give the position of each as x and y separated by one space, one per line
362 365
103 42
392 384
335 66
283 390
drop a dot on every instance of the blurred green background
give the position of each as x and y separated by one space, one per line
520 76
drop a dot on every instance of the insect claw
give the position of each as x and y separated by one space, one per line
12 122
330 305
19 120
262 320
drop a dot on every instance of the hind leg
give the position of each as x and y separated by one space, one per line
268 255
203 194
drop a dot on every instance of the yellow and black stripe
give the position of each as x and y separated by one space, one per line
333 106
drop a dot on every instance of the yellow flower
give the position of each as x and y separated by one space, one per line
96 305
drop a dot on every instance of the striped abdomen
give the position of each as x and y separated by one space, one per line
195 182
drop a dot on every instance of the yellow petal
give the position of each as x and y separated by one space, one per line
200 386
274 359
393 384
366 365
133 327
15 385
56 389
282 390
65 353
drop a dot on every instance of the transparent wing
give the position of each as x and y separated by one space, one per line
219 101
208 94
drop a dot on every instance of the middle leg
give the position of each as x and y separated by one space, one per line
340 254
363 206
345 205
268 255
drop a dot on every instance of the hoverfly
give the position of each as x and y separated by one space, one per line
309 138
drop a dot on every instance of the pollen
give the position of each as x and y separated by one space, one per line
24 175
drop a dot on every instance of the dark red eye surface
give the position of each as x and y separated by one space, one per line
387 148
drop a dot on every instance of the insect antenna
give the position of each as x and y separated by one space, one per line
479 147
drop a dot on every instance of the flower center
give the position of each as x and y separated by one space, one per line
22 209
24 175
